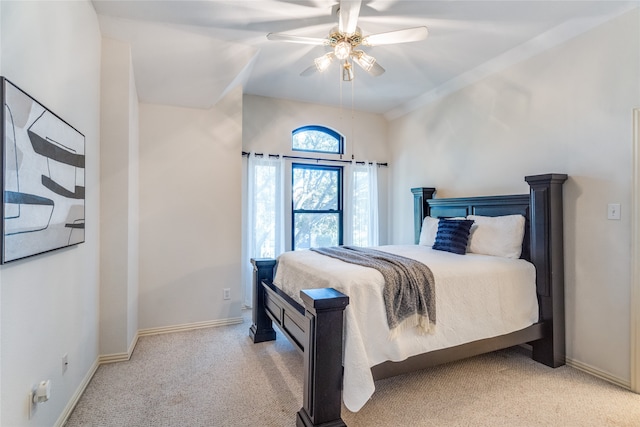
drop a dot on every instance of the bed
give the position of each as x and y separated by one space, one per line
323 322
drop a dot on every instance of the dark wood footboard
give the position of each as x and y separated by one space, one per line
316 327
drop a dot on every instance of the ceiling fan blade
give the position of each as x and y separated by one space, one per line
376 70
297 39
348 16
399 36
312 69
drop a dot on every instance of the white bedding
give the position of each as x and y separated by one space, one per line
477 297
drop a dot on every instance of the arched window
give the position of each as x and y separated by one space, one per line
318 139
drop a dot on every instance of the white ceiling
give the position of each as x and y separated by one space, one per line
191 53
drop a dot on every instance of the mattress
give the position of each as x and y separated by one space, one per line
477 297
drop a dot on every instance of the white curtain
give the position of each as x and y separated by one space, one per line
361 205
264 229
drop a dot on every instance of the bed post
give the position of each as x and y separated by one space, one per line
547 254
420 208
322 401
262 327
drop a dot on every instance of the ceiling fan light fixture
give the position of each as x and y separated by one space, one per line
345 38
342 49
363 60
323 62
347 72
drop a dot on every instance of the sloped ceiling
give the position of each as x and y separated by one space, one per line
190 53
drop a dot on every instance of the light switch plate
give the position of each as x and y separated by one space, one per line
613 211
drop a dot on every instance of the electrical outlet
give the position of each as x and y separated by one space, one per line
227 293
65 363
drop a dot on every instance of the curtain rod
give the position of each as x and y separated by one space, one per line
315 159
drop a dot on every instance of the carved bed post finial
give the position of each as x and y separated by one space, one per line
420 208
548 257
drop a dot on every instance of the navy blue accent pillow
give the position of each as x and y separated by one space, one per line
453 235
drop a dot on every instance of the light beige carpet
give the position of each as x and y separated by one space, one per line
217 377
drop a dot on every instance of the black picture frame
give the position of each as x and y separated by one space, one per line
43 177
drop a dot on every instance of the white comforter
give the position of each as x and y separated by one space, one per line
477 297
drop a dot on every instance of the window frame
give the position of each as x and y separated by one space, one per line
318 128
339 211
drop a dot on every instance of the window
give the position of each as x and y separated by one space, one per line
317 139
316 195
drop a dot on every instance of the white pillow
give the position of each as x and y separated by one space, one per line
429 231
498 235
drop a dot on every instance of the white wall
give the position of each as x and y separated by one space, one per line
119 201
567 110
267 124
50 302
190 227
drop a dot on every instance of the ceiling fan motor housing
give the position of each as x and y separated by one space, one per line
336 37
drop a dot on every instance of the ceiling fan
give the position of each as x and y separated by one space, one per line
346 38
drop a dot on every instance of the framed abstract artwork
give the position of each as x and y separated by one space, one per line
43 177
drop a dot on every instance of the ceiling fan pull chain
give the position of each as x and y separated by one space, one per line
341 110
353 139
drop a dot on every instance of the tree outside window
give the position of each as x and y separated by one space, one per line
317 206
319 139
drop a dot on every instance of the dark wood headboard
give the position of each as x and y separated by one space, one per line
543 242
486 206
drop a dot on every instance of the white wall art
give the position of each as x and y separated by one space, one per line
43 178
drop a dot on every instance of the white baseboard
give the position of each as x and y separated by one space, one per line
123 357
598 373
120 357
62 419
190 326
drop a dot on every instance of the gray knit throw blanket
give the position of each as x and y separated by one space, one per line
409 290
